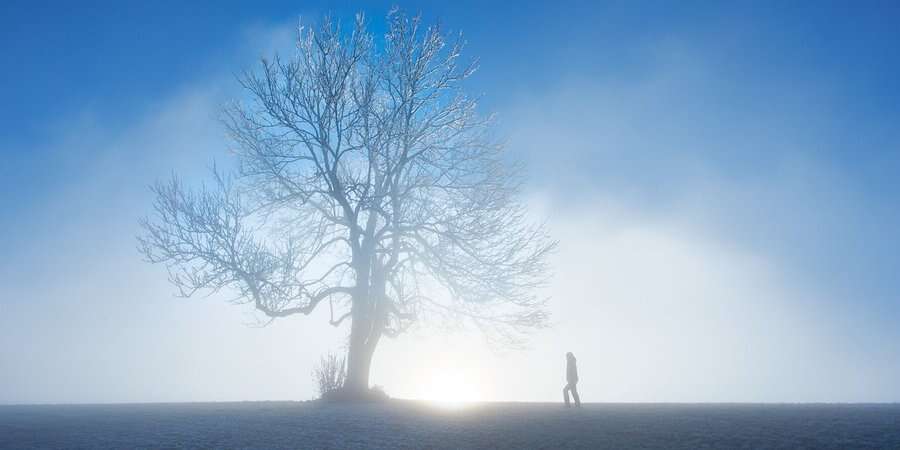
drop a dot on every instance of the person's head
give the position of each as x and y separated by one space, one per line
569 355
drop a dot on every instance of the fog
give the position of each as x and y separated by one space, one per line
708 252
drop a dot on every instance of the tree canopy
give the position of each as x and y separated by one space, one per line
365 180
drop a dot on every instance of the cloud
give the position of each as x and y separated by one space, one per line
712 245
710 250
85 320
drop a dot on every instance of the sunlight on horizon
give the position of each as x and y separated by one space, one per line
450 388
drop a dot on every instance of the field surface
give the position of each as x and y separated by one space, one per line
406 424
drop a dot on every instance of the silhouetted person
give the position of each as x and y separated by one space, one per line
571 380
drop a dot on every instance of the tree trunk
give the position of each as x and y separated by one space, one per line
359 358
368 322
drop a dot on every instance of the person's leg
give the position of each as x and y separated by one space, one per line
566 395
575 395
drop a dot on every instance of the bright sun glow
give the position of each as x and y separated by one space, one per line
451 388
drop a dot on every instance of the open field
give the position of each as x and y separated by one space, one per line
407 424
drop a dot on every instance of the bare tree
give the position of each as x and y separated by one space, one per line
365 180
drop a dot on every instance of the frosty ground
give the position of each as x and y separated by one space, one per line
408 424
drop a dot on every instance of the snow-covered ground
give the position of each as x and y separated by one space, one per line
406 424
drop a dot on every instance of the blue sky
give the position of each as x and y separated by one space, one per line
727 169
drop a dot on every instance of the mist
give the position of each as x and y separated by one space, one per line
722 238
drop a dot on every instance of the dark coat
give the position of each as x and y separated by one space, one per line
571 370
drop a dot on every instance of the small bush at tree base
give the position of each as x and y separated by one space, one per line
330 375
330 378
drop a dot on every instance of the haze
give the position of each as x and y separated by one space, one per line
722 183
